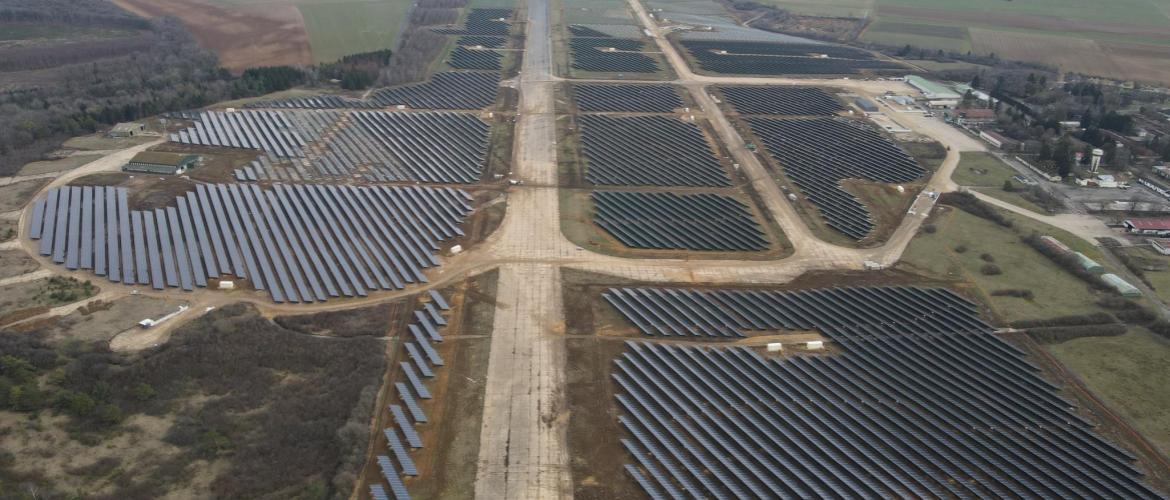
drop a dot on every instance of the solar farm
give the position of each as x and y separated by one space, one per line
439 147
455 90
300 243
648 151
777 100
916 398
611 55
818 154
767 58
672 221
627 98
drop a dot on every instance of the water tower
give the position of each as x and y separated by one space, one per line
1095 162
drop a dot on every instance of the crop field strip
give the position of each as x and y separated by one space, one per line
652 220
403 437
839 312
440 147
301 243
775 100
764 58
931 415
817 154
627 98
648 151
610 55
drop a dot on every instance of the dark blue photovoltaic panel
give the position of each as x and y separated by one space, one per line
61 226
181 261
99 231
74 236
50 222
400 452
37 221
412 377
85 255
157 280
407 428
170 272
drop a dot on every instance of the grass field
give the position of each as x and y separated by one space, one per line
1129 374
1057 293
1126 39
30 31
986 174
340 29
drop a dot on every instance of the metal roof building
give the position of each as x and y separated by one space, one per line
153 162
930 89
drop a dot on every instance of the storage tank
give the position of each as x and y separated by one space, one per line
1088 264
1123 287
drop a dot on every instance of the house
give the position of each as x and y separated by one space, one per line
997 140
1153 226
154 162
974 117
128 129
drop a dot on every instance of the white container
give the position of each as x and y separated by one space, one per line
775 347
815 345
227 285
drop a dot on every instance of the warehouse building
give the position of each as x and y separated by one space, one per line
128 129
153 162
937 95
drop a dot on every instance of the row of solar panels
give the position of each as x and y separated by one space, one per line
300 243
891 416
778 100
839 312
423 359
627 98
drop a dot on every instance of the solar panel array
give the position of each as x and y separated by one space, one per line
648 151
446 90
817 154
489 22
267 130
474 58
403 434
764 58
610 55
301 243
702 221
943 415
627 98
776 100
840 312
449 90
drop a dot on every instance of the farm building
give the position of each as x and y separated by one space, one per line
963 88
1155 226
937 95
128 129
973 117
152 162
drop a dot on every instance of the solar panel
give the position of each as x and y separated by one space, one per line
430 352
377 492
99 231
125 241
74 235
419 388
419 361
166 252
50 223
411 405
36 222
406 426
182 262
400 452
87 212
152 249
114 234
439 300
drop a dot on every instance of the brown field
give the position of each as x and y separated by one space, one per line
1079 55
245 36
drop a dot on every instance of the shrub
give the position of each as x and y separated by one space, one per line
1138 316
1057 334
929 228
1014 292
987 257
967 202
1097 318
990 269
961 249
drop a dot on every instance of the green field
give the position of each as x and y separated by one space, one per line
340 29
986 174
1057 293
28 31
1129 374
